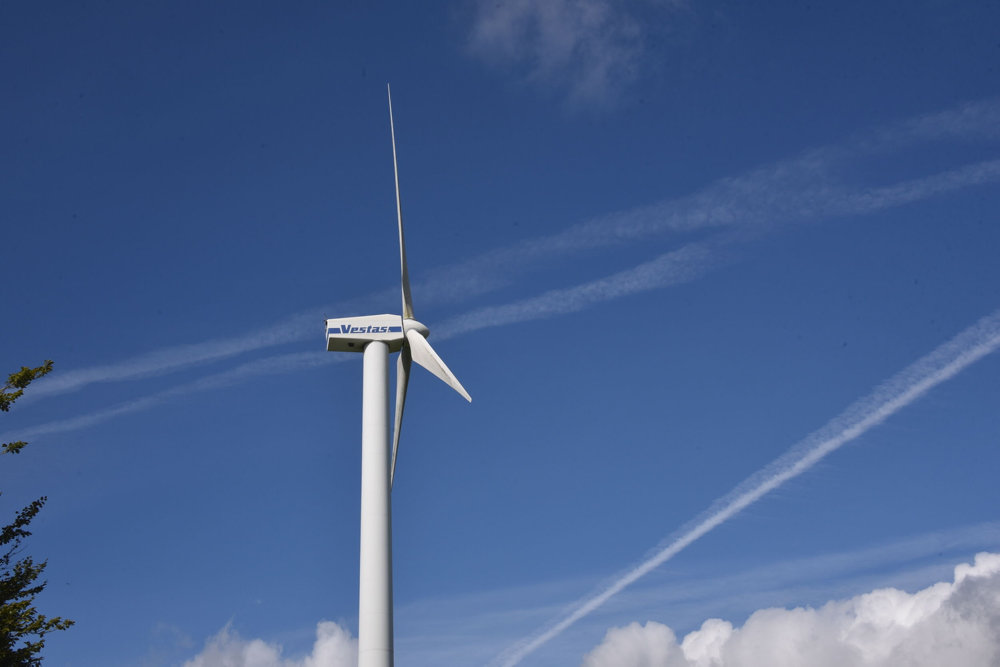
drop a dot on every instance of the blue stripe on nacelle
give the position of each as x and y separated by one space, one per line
346 329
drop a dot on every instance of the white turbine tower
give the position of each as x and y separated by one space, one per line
376 336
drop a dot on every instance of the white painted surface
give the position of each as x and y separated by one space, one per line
375 590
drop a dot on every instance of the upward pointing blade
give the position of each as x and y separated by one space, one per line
407 299
425 355
415 346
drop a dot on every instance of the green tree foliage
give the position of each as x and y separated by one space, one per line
22 628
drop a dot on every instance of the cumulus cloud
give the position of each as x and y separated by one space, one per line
949 623
590 48
896 393
334 647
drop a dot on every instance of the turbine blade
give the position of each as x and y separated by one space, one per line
425 355
402 379
404 274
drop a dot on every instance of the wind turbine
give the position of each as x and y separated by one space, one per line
376 336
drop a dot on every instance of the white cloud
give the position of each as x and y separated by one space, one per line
949 623
896 393
590 48
334 647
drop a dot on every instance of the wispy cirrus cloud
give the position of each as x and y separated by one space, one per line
590 49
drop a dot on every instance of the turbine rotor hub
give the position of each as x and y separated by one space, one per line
419 327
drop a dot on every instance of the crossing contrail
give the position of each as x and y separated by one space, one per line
888 398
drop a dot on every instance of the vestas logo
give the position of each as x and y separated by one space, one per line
347 329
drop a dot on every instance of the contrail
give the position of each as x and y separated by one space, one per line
681 265
798 189
179 356
747 200
888 398
282 363
678 266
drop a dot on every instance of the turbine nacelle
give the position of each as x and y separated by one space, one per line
351 334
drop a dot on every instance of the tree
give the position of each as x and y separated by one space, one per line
22 628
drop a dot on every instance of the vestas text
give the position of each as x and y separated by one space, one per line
347 329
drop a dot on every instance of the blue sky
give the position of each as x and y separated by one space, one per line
662 244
